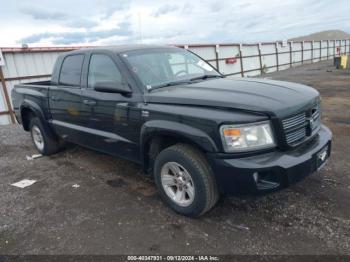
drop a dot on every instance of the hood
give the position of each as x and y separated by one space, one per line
259 95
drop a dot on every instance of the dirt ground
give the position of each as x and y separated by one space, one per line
115 209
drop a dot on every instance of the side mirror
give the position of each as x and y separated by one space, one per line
112 87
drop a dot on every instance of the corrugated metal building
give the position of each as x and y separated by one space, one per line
35 64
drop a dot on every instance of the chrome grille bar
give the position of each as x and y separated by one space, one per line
294 121
296 127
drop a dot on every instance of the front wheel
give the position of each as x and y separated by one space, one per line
185 181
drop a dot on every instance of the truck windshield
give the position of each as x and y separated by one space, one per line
167 67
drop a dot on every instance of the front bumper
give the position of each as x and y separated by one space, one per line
272 170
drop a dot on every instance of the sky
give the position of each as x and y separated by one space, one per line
103 22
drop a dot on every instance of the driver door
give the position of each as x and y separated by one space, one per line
112 119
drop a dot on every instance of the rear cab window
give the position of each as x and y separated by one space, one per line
71 70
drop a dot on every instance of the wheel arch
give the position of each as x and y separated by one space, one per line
30 109
158 134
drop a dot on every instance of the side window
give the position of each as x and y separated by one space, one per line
102 69
71 70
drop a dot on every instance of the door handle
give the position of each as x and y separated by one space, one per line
89 102
55 98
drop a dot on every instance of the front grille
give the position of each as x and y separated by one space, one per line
299 127
294 121
295 128
315 117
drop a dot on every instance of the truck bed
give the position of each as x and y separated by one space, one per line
27 94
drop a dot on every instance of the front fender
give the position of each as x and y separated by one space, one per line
175 129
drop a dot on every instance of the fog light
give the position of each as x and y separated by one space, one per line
256 177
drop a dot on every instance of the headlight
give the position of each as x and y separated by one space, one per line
238 138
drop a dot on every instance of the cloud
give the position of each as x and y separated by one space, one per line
187 9
184 22
217 6
42 14
90 36
165 9
38 13
115 7
81 23
75 20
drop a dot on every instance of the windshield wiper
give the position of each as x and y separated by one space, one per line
205 77
173 83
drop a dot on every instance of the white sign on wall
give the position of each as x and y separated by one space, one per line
284 43
2 60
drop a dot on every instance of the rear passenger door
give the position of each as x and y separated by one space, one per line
65 98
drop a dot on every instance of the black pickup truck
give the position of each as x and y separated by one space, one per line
199 134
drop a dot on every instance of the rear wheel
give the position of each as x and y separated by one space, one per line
42 137
185 181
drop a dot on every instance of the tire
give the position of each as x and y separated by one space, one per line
48 144
196 180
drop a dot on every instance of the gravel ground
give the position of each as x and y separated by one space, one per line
115 209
